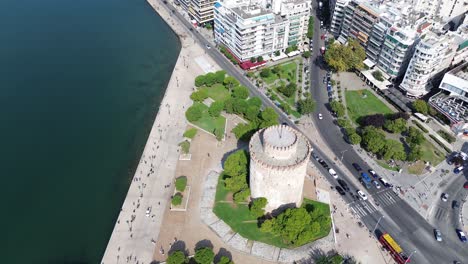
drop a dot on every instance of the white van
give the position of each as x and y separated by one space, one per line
385 182
333 173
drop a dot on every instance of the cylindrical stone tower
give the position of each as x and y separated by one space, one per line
278 163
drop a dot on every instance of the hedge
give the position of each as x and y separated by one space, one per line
446 136
190 133
440 144
420 126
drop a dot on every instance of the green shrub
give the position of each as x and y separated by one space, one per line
190 133
177 257
420 126
241 196
440 144
181 183
177 199
446 136
193 113
185 146
204 255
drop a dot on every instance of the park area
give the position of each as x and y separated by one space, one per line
209 123
241 220
362 103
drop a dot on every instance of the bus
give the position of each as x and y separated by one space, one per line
395 250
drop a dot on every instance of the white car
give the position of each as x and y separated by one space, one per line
376 184
333 173
362 195
444 197
208 46
320 116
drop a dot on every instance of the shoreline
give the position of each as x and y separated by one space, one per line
135 233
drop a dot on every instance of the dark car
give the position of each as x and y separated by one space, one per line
465 185
340 190
323 163
343 184
455 204
373 173
357 167
461 235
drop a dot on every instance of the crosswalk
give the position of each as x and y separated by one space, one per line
382 199
440 213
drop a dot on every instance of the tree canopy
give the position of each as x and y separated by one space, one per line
240 92
415 136
345 57
393 150
199 96
338 108
177 257
236 171
376 120
306 106
215 108
373 139
288 90
230 82
225 260
257 206
395 126
204 255
194 113
420 106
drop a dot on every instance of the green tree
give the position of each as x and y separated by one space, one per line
306 106
204 255
269 117
420 106
200 80
393 150
276 69
177 257
288 90
345 57
239 106
253 60
229 105
254 101
415 152
193 113
306 54
220 76
378 75
257 207
373 139
277 53
259 59
266 72
225 260
215 108
210 79
199 96
236 164
177 199
415 136
310 28
181 183
244 131
395 126
242 195
354 139
252 112
338 108
230 82
190 133
240 92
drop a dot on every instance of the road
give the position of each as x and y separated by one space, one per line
411 231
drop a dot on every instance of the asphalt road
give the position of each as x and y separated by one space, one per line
409 229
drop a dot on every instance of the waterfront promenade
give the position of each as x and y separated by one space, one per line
136 230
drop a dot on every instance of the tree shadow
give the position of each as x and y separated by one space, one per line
222 253
204 243
179 245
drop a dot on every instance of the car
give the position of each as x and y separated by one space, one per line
385 182
340 190
321 23
437 235
362 195
458 170
315 156
376 184
444 197
208 46
455 204
373 173
461 235
320 117
343 184
465 185
333 173
357 167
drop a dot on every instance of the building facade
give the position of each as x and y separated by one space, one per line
278 163
201 10
251 29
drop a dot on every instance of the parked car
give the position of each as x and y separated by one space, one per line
444 197
208 46
465 185
320 117
461 235
373 173
333 173
315 156
343 184
455 204
362 195
323 163
458 170
437 235
376 184
357 167
385 182
340 190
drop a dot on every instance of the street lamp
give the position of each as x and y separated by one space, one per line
409 258
378 221
342 154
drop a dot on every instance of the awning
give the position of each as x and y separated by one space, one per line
368 63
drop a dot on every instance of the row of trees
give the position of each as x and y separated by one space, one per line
203 255
297 226
345 57
258 59
310 28
257 120
235 175
210 78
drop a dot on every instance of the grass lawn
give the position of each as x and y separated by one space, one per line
384 165
217 92
417 168
358 106
431 153
290 100
238 217
287 69
209 123
275 97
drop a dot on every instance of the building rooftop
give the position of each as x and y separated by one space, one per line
252 11
461 71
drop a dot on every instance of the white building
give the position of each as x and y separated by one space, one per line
256 28
201 10
433 55
337 9
443 9
278 164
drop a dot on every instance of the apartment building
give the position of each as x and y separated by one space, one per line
201 10
442 9
337 9
433 54
251 29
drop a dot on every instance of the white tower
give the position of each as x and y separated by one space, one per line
278 164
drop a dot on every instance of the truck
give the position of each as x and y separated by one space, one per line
395 250
366 180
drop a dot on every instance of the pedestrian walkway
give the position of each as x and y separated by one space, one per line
386 198
362 208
